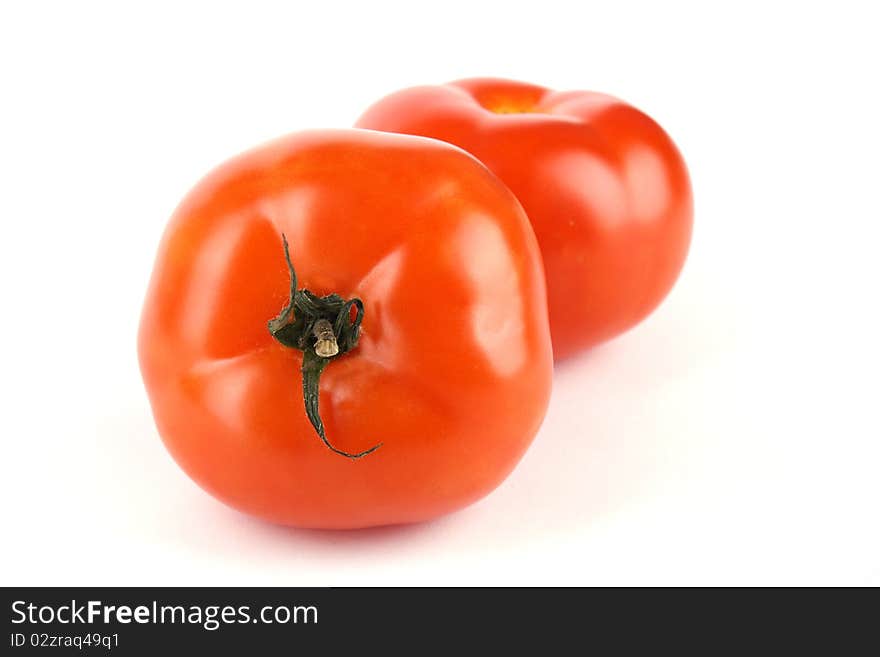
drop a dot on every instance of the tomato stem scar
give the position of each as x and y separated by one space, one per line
322 329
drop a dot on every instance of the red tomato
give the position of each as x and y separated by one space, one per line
605 188
449 369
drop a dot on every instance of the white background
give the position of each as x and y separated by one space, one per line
732 438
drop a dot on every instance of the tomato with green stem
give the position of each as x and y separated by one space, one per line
604 186
346 329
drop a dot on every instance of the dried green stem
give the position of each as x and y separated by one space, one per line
322 329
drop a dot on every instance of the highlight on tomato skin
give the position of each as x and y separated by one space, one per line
332 292
604 186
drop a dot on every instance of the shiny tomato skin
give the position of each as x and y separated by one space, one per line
605 188
453 369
